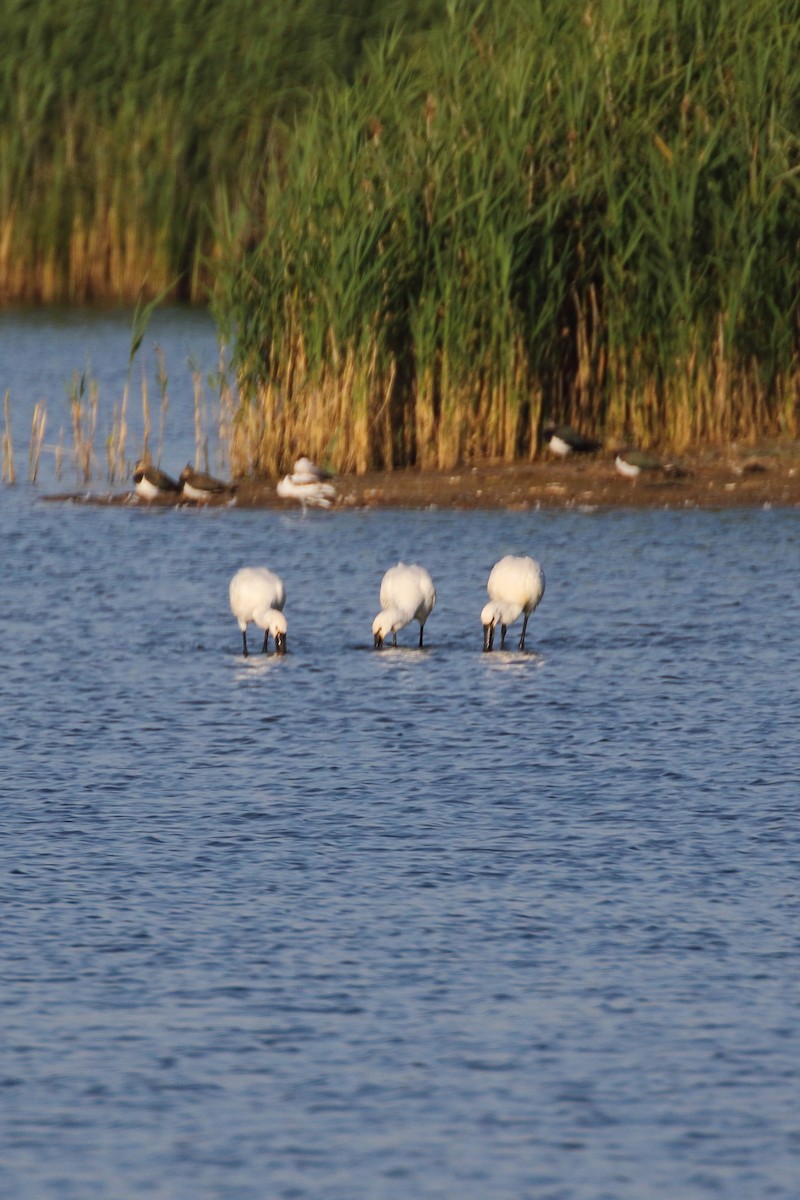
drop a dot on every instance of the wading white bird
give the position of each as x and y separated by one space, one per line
407 594
308 484
150 481
515 587
258 595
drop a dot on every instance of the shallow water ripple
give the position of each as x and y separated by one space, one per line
354 925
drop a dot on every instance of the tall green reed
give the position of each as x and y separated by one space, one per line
588 214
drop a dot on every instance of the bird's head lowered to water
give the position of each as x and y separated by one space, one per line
491 615
272 621
382 626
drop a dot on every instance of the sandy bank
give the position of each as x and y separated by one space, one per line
737 477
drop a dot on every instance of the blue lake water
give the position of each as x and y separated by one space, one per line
358 925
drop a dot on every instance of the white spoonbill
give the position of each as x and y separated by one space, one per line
515 587
308 484
150 481
407 594
258 595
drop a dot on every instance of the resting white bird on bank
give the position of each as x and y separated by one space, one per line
308 484
150 481
304 466
515 587
258 595
407 594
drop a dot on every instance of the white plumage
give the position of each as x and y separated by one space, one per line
305 467
308 484
258 595
407 594
515 587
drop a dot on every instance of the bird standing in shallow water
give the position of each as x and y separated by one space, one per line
407 594
258 595
150 481
308 484
515 587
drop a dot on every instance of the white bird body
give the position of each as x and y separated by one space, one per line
306 468
515 586
258 595
407 594
308 484
559 446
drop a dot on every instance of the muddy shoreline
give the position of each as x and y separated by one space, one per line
738 477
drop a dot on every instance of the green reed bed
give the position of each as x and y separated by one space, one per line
588 212
131 133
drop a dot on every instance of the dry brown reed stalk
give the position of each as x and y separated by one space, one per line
38 426
383 419
9 475
94 396
535 407
200 437
425 418
145 418
121 434
84 425
60 453
163 379
111 445
76 409
227 410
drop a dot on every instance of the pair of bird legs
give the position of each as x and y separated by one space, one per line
394 637
263 648
490 636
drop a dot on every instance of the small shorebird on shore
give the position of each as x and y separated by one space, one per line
515 587
563 440
633 463
308 484
198 485
407 594
258 595
150 481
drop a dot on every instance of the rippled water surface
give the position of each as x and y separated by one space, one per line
358 925
355 924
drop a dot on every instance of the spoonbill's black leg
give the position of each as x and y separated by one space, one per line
244 643
420 635
524 627
394 637
266 641
503 629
